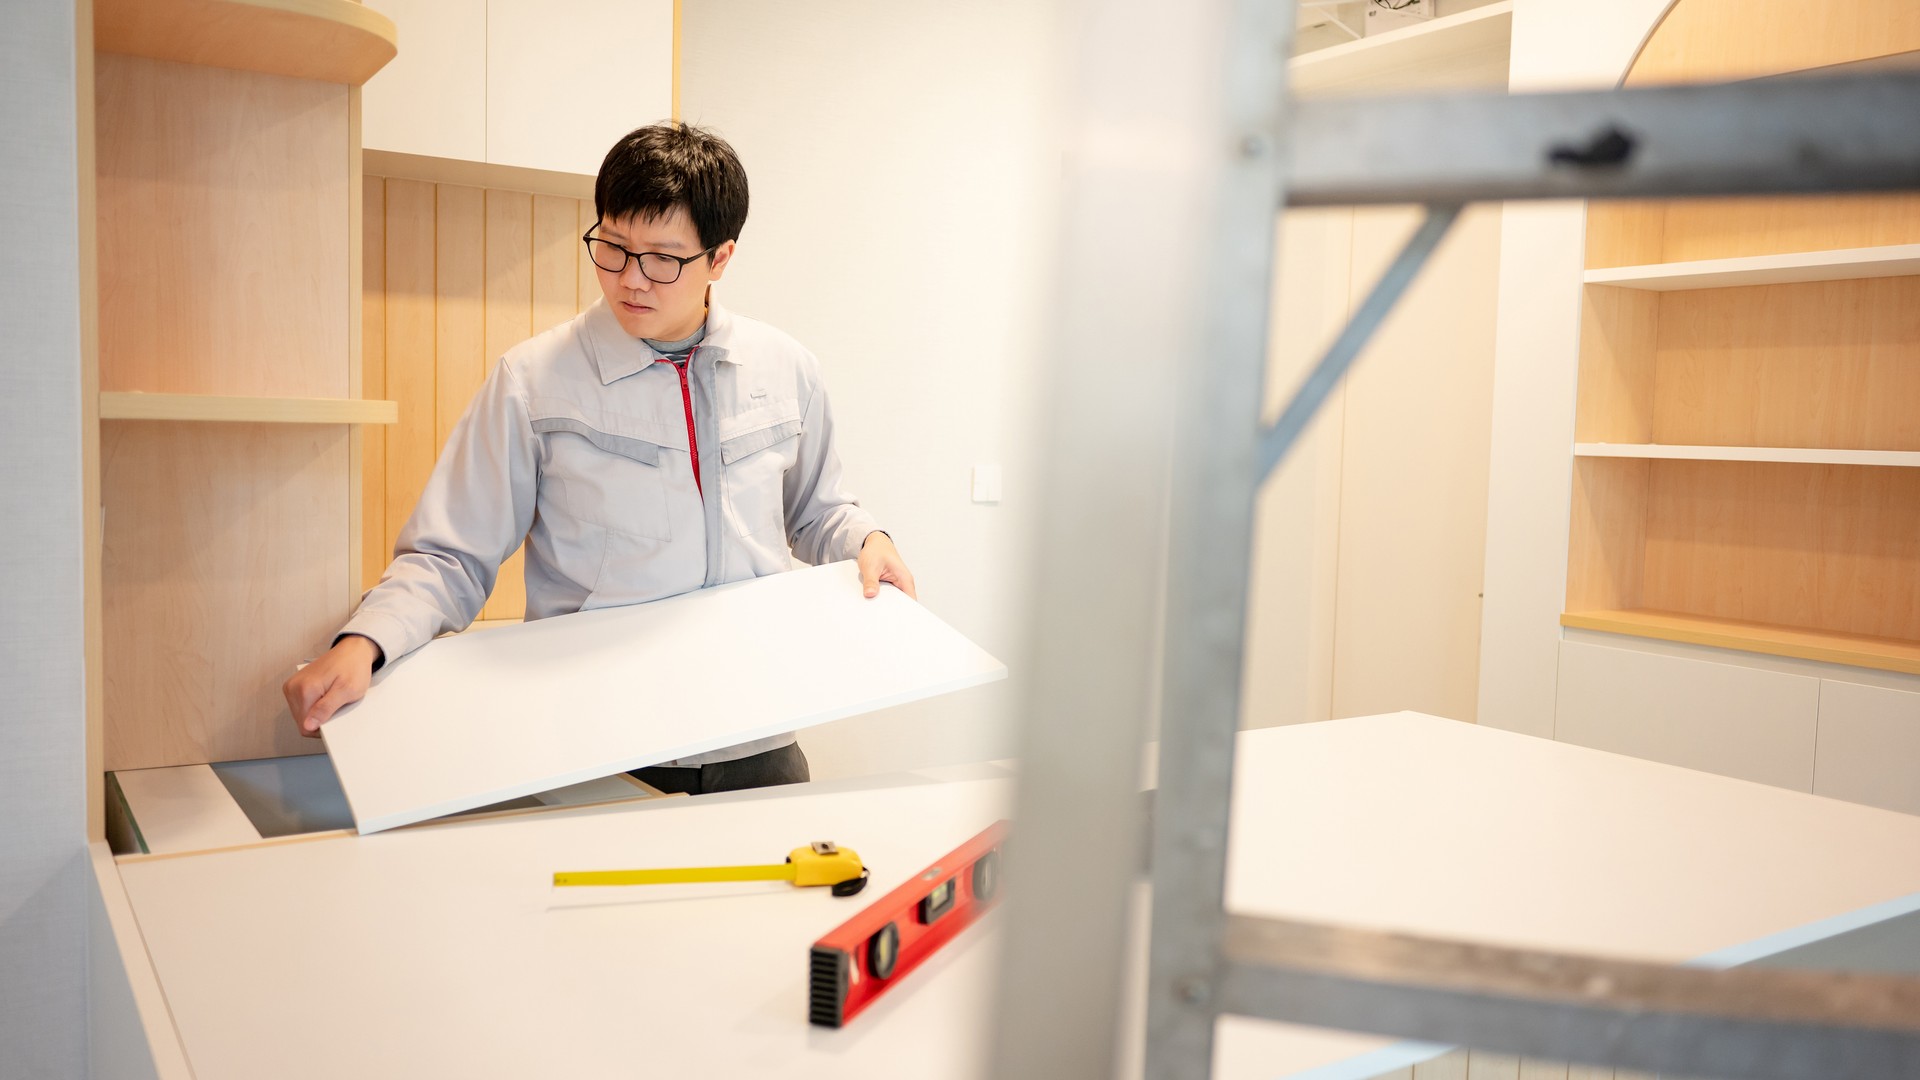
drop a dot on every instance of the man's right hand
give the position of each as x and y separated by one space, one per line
338 678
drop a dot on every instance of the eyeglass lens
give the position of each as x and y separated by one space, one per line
611 257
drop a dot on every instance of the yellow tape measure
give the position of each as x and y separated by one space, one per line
820 863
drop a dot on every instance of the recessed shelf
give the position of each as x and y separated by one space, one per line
1808 456
1886 654
1893 260
338 41
116 405
1468 49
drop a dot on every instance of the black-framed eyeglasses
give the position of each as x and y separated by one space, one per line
659 267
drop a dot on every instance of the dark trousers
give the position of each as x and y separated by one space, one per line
783 765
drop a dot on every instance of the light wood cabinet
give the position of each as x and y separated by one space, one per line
226 202
1745 475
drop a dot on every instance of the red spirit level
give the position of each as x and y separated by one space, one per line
875 949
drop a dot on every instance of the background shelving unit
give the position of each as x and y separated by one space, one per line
227 207
1466 48
1746 436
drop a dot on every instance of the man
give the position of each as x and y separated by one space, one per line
652 445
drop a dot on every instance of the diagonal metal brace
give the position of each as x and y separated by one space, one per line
1300 411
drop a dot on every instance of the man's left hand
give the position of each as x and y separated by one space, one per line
880 562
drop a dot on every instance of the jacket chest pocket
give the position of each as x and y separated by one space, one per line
756 458
608 479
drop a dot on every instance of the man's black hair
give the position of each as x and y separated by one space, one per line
658 167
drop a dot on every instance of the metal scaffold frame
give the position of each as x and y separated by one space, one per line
1214 145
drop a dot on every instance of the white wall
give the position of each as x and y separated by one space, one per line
904 178
1557 44
43 854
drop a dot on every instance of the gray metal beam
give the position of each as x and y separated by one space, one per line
1767 137
1763 1024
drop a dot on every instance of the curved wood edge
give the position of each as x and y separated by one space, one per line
338 41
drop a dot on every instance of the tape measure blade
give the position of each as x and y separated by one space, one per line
675 875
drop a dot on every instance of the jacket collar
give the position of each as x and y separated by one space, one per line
616 354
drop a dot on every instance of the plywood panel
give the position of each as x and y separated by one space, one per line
1730 228
1830 547
224 264
460 318
551 703
1829 364
1606 545
1735 721
1617 339
223 566
1625 233
1869 746
411 443
1715 40
374 550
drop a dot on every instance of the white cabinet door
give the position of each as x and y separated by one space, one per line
1719 718
1869 746
565 80
432 98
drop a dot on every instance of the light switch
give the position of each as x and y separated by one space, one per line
986 483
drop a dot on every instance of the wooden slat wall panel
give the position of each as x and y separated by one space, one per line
1829 547
470 273
509 321
374 550
460 314
1818 364
411 443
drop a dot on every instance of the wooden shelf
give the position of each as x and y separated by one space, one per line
337 41
1808 456
480 174
257 410
1468 49
1886 654
1894 260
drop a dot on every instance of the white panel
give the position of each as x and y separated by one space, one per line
184 808
1869 746
1557 44
432 98
475 719
1413 493
1288 678
910 146
1719 718
130 1034
1515 840
565 81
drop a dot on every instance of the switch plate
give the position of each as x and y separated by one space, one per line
986 483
